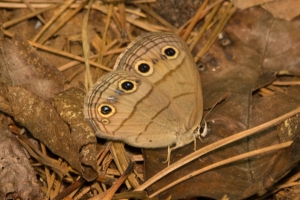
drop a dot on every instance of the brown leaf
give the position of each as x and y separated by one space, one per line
239 63
21 65
17 177
42 120
69 107
284 9
247 4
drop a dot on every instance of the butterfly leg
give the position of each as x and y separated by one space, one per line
168 156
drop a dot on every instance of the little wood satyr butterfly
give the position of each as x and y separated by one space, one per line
153 98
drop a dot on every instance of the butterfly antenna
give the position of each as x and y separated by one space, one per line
204 132
222 98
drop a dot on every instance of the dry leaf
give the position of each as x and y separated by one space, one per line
39 80
17 176
44 123
69 107
284 9
242 4
21 65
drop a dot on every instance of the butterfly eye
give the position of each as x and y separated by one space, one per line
143 67
170 52
127 86
106 110
105 121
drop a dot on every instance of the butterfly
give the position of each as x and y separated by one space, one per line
153 98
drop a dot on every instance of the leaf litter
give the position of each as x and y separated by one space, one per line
241 52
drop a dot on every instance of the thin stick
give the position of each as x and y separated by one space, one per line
146 26
107 195
63 22
207 10
70 189
46 26
208 19
118 164
228 13
156 16
62 53
43 4
194 21
33 10
30 15
122 19
285 83
74 62
86 46
66 54
103 44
